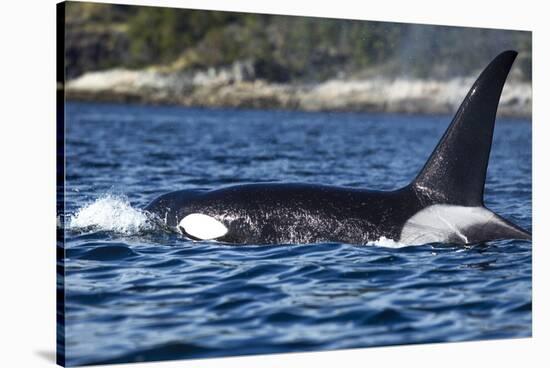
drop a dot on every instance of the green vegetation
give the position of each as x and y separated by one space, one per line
283 48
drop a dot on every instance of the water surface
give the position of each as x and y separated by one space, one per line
135 292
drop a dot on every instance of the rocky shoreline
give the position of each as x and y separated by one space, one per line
237 86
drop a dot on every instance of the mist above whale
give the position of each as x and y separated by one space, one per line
444 203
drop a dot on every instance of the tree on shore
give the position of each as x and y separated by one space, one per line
284 48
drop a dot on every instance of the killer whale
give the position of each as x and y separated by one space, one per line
444 203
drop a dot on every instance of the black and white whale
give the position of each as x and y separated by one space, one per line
444 203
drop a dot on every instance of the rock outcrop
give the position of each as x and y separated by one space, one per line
237 85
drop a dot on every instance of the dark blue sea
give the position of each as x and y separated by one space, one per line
135 292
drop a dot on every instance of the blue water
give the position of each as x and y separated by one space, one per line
135 292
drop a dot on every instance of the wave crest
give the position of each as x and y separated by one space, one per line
387 243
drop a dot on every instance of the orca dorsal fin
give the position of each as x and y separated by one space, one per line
455 172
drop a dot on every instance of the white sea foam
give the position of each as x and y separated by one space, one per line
387 243
110 213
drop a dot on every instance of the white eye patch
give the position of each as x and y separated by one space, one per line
202 226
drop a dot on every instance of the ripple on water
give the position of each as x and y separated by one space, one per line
108 253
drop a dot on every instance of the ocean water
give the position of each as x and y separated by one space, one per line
136 292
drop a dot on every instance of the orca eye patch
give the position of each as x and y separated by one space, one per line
202 227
